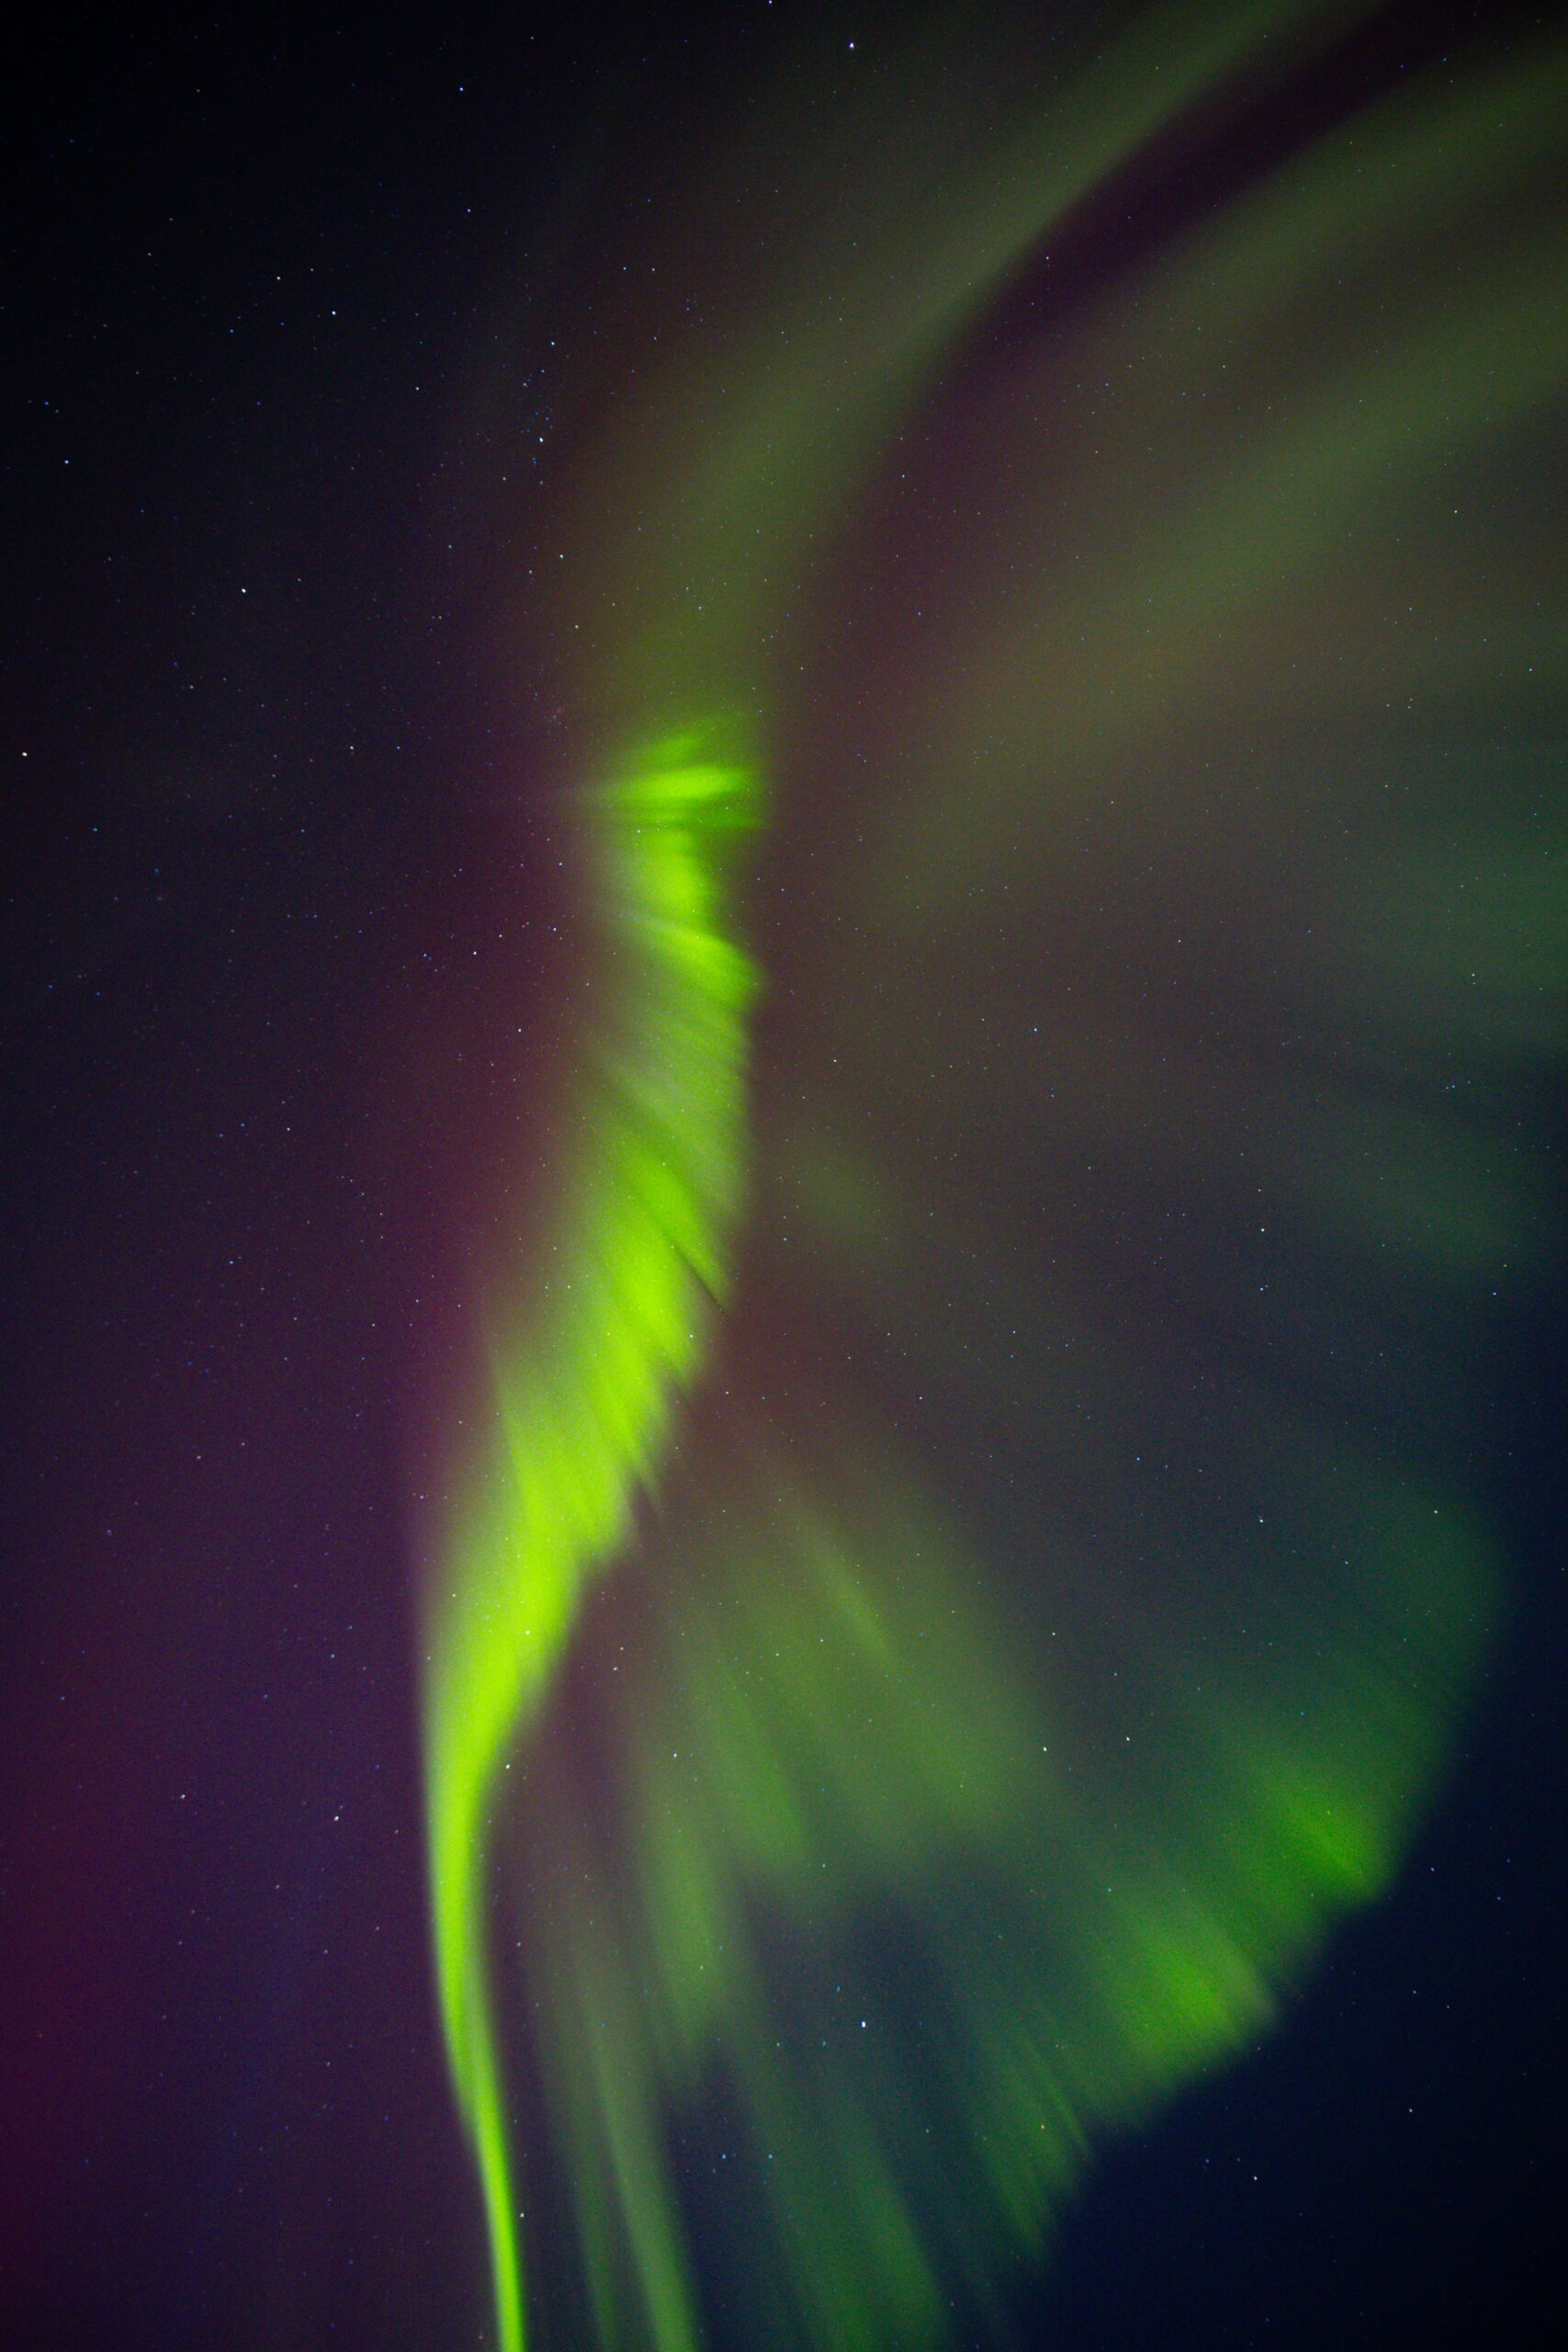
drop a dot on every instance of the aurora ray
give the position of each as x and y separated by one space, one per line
586 1378
968 1510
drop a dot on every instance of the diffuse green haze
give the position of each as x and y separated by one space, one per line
963 1573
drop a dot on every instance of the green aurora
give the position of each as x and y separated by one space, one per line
962 1567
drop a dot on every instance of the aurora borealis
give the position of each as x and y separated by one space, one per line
791 1249
589 1374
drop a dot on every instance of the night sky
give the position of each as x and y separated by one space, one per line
310 326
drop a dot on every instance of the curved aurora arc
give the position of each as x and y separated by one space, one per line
961 1572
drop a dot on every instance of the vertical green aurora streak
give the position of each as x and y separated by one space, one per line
585 1387
825 1692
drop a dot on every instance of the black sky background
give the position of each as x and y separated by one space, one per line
252 760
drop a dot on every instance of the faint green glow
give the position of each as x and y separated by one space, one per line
915 1675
